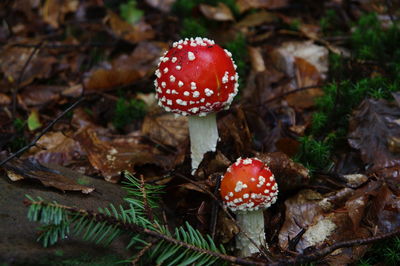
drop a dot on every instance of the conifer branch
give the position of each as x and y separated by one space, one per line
134 228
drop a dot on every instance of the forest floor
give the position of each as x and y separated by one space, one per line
318 102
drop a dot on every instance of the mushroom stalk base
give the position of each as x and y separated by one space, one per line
203 137
252 223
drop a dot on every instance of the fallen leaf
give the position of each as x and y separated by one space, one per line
31 169
166 129
35 95
289 174
284 57
221 12
56 148
256 59
227 229
105 157
125 69
54 11
256 19
4 99
140 31
13 60
245 5
33 120
306 76
372 125
310 210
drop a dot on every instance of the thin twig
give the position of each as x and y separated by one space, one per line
18 84
131 227
44 131
141 253
214 210
314 256
146 206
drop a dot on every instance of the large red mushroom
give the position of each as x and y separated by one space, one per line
248 188
196 77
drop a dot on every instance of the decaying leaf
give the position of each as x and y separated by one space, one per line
106 158
323 222
53 11
289 175
228 229
221 12
256 19
256 58
4 99
372 127
125 69
31 169
140 31
285 56
166 129
245 5
56 148
35 95
13 60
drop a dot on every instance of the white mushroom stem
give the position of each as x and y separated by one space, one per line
251 224
203 137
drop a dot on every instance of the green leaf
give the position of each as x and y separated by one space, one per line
33 121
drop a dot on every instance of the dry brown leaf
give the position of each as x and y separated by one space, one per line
256 19
221 12
138 32
284 57
256 59
245 5
315 213
372 125
31 169
125 69
227 229
53 11
13 60
107 79
109 159
166 129
40 94
289 174
4 99
306 75
57 148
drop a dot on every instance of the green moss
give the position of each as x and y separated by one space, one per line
129 11
128 111
349 87
386 252
193 27
314 154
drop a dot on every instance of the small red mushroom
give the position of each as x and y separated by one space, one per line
247 188
197 77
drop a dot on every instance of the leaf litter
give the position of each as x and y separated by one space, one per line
275 107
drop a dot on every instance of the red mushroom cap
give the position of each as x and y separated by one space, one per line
196 77
248 185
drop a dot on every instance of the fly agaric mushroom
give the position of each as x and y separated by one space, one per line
247 188
196 77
